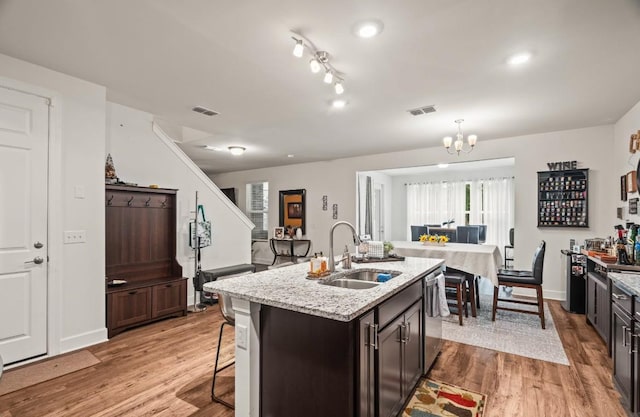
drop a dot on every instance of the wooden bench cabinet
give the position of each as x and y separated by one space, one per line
141 249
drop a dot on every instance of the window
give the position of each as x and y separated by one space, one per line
258 209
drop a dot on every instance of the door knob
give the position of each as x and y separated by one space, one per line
38 245
37 260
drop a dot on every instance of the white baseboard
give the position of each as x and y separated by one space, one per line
547 294
83 340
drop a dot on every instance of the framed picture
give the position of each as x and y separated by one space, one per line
623 188
294 210
278 232
631 182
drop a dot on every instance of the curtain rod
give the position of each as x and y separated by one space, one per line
465 181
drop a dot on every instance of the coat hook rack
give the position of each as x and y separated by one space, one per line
130 201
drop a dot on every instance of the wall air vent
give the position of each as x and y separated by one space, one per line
205 111
422 110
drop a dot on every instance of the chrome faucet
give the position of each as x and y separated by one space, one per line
356 241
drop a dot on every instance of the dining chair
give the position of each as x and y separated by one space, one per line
509 258
448 232
463 283
482 235
524 279
468 234
417 231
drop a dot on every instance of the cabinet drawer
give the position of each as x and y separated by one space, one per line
398 303
168 298
129 307
622 298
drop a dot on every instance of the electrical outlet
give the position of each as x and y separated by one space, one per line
241 336
75 236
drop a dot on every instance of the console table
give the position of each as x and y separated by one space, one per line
295 248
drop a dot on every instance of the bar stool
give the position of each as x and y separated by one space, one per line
457 281
229 319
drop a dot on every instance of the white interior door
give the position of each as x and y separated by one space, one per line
24 133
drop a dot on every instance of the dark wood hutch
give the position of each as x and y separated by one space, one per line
141 250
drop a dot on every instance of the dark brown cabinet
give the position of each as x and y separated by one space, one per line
363 368
598 304
140 250
621 347
399 364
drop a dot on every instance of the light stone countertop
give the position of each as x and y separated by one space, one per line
289 288
630 282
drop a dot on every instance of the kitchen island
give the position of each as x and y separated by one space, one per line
307 348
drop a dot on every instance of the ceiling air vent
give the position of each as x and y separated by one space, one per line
422 110
205 111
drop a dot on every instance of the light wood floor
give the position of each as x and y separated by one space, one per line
164 369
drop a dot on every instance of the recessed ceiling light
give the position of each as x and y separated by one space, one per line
368 29
237 150
338 104
290 155
212 148
519 59
443 165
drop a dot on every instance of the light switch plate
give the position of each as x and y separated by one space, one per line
241 336
75 236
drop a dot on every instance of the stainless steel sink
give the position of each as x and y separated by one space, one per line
358 279
353 284
367 274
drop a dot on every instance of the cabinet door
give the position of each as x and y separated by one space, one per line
169 298
603 303
366 378
129 307
621 349
591 300
390 377
412 347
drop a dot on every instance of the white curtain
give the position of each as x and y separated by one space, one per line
498 210
456 202
435 203
475 206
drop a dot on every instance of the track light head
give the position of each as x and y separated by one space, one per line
298 49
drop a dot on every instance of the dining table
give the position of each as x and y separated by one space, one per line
478 259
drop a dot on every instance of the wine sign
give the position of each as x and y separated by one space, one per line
558 166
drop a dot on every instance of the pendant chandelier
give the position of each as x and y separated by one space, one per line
459 145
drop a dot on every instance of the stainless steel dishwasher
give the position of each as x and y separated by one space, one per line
432 320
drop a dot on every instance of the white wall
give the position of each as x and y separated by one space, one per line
141 157
624 161
591 147
76 278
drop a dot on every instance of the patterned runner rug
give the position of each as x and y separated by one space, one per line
435 399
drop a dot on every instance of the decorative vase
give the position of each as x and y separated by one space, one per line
299 233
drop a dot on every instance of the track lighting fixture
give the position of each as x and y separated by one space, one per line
319 60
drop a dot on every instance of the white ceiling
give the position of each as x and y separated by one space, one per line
166 56
456 167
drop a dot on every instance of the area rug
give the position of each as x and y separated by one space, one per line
434 399
516 333
36 373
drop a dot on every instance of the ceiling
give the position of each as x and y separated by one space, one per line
235 57
474 166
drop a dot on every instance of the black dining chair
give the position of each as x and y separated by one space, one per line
508 257
482 236
468 234
417 231
524 279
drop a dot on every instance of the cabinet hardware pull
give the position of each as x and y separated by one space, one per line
634 336
375 337
624 336
408 332
403 330
618 296
169 285
135 292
